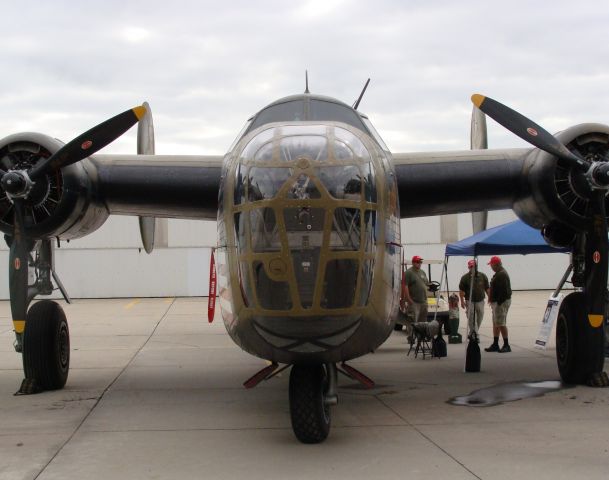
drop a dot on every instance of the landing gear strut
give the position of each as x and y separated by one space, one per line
43 338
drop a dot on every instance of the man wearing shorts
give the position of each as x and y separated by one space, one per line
415 295
500 298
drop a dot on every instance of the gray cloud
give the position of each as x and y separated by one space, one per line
206 66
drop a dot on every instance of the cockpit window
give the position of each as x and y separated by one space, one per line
280 112
303 188
264 182
354 143
346 229
341 182
264 230
340 272
265 154
305 218
307 109
303 146
272 294
241 133
374 133
321 110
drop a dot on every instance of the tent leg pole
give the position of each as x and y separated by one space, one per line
446 276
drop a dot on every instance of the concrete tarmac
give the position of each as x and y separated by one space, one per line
156 392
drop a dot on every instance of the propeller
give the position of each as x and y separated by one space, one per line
597 174
18 183
526 129
89 142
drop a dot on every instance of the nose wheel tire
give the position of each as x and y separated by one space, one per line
309 412
579 346
46 345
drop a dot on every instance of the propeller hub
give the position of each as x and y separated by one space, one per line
16 183
598 175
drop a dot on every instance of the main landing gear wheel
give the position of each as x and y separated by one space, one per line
308 408
46 345
579 347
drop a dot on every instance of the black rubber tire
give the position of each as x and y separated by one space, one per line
310 415
579 346
46 345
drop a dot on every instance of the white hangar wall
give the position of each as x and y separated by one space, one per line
111 263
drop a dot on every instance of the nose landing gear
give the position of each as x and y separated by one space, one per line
309 409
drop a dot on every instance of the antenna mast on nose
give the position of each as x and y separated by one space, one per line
359 99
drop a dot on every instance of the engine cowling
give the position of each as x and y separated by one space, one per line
64 204
559 197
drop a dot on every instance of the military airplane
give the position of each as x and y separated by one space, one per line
308 201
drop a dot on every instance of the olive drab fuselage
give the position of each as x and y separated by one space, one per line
308 255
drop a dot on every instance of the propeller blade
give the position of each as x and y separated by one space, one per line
526 129
89 142
18 270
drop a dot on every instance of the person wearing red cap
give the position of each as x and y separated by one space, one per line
415 293
500 298
472 295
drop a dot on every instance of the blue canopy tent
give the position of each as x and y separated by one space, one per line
515 237
511 238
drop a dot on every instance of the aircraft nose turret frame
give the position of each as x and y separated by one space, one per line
303 234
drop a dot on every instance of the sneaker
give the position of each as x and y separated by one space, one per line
505 349
493 348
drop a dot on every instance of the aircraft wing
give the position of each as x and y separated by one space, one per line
438 183
178 186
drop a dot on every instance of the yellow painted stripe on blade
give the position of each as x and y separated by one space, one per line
19 325
595 320
477 99
133 303
168 300
139 112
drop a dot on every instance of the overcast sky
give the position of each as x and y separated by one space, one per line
206 66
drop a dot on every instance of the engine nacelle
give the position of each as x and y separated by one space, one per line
64 203
558 193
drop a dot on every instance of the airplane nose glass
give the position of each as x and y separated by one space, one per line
264 182
305 216
303 188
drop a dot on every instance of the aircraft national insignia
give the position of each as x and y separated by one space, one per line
531 131
596 256
17 263
86 144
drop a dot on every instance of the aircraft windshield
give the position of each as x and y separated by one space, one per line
307 109
305 213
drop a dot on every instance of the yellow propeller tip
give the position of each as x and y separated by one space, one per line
477 99
139 112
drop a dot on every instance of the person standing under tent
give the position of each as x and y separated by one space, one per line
472 295
500 298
